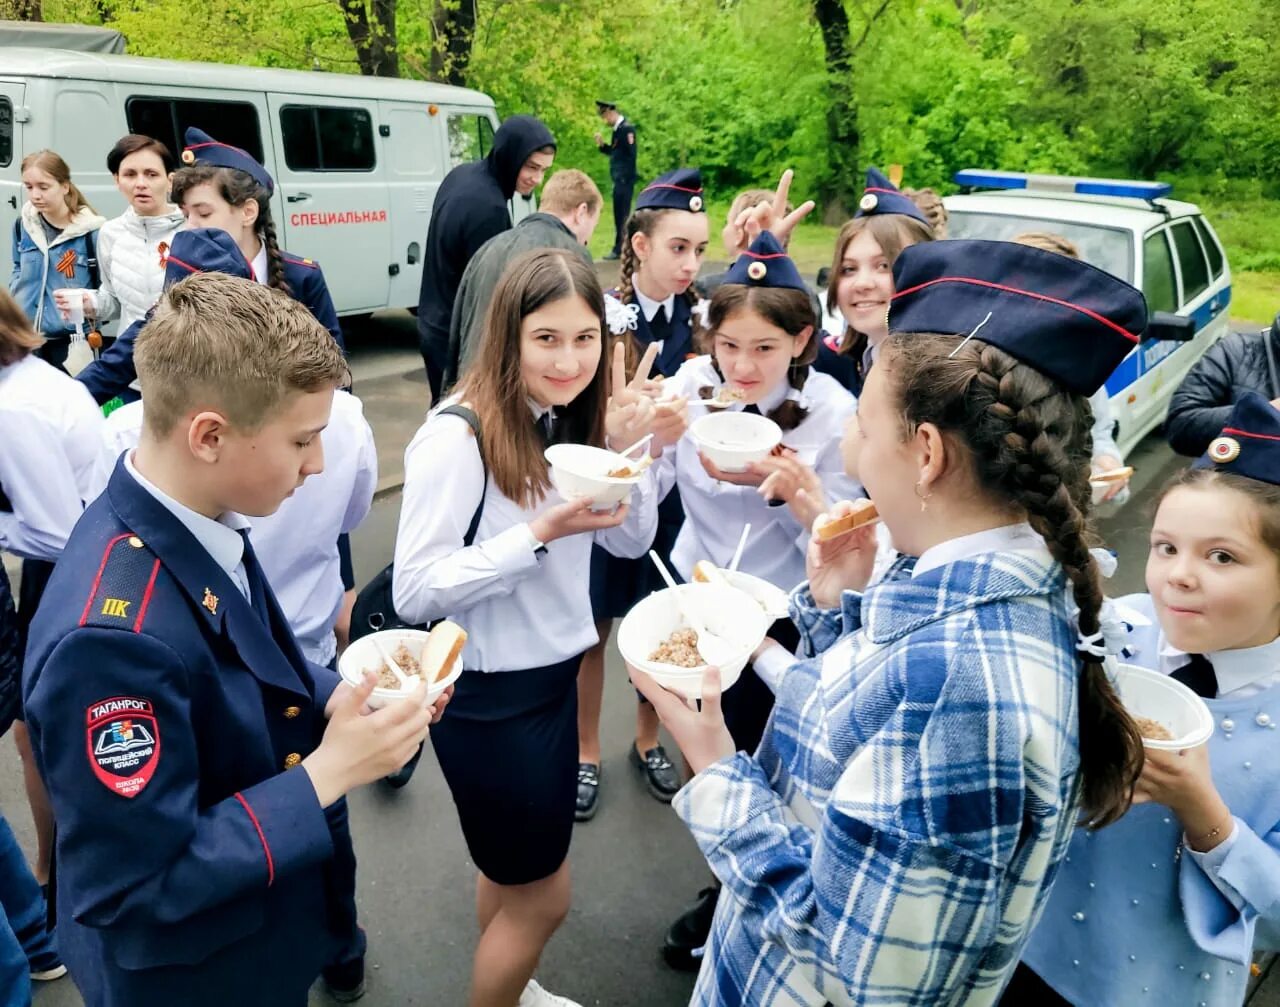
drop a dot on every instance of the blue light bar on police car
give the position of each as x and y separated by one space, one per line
980 178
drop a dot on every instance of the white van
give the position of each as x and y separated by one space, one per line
357 160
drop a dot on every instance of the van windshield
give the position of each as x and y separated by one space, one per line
1107 248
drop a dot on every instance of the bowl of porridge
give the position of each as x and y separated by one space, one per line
1168 714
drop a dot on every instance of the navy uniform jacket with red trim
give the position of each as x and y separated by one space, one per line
165 717
306 281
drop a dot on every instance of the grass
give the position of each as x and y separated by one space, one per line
1247 223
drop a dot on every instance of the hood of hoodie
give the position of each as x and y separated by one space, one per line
145 227
514 141
204 250
82 223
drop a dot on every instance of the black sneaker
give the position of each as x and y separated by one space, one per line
659 774
688 935
588 791
345 983
404 774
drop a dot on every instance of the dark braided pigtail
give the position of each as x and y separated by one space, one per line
1029 441
275 262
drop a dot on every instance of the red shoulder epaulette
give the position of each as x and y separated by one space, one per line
298 261
122 588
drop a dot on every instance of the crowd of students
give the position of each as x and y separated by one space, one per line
923 789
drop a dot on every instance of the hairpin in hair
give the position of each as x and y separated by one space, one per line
970 336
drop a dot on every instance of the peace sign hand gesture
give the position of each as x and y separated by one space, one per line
773 216
631 410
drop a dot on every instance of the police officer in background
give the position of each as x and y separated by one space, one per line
621 148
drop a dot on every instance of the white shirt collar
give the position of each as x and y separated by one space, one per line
869 356
259 265
650 307
221 539
621 119
537 410
1020 537
1234 669
775 398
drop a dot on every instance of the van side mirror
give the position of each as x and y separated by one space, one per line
1172 327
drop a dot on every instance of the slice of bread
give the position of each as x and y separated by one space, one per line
706 572
864 514
440 652
1112 476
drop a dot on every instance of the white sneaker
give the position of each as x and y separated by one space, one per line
535 996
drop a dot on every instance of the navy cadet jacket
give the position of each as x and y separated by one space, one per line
166 720
676 336
113 372
621 149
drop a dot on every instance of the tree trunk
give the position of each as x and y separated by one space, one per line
842 117
24 10
454 24
373 37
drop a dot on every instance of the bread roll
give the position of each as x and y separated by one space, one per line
440 652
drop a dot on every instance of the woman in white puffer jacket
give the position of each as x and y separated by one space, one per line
132 247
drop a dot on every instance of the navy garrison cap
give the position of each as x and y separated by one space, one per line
765 264
1249 445
882 196
204 250
201 148
1069 320
676 190
601 104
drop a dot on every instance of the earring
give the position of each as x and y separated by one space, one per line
924 500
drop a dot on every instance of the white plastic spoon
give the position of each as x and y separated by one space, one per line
405 684
638 444
715 650
742 544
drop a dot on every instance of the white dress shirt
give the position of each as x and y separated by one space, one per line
715 512
49 432
650 307
297 546
220 538
260 266
521 608
1019 537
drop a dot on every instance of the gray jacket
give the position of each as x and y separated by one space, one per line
538 230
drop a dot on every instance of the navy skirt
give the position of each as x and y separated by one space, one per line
508 748
617 583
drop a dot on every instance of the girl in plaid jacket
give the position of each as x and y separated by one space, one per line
894 837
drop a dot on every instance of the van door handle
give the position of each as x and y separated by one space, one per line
298 197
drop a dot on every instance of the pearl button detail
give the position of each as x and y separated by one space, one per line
1092 885
1228 724
1078 917
1262 720
1135 902
1075 962
1205 976
1248 765
1133 958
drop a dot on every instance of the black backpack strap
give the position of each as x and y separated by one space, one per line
473 421
91 260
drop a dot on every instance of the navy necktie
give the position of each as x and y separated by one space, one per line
752 408
1198 676
546 424
257 581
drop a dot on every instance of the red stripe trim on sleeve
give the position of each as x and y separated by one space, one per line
146 597
93 591
1233 432
271 866
1025 293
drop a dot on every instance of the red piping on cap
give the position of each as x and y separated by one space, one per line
1233 432
1025 293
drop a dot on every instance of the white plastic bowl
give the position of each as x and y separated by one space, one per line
725 612
363 654
734 440
775 601
1147 693
579 470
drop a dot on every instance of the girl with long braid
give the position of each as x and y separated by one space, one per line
223 186
896 833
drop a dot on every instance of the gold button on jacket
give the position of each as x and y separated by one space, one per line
291 760
292 711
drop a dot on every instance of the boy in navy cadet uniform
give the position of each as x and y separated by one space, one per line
621 150
181 734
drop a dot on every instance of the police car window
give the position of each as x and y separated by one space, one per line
1105 247
6 132
167 119
1216 261
470 137
1195 270
1158 282
320 138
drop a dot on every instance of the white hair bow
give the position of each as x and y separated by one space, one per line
618 316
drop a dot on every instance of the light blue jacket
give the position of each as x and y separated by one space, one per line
40 268
1133 919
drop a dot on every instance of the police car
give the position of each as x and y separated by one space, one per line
1164 247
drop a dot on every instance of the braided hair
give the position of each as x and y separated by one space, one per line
782 307
237 188
640 222
1029 442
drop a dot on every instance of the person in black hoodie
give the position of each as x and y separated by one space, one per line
470 208
1239 362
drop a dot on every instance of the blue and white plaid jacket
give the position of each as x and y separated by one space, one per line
895 836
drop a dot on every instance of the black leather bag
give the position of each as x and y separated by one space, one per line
375 608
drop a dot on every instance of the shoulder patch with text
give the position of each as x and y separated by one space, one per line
123 741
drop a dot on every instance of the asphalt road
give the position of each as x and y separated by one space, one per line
634 866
